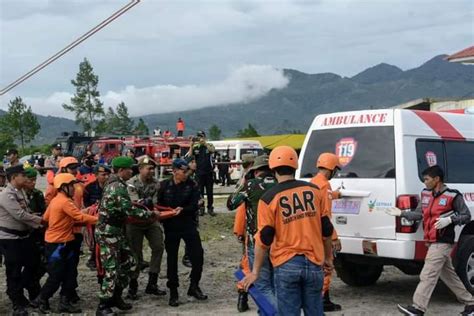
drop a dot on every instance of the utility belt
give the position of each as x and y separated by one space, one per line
19 233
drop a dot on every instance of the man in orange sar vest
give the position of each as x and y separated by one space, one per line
294 224
328 165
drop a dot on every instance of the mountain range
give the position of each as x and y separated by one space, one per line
294 107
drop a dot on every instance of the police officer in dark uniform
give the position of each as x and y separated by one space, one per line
181 193
203 152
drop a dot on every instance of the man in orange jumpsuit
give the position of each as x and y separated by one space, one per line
60 248
328 164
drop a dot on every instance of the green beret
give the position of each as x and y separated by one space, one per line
122 162
31 172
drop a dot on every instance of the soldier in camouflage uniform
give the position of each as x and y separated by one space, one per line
253 189
37 206
143 187
115 254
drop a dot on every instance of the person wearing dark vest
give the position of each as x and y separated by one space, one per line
182 194
441 209
203 152
16 245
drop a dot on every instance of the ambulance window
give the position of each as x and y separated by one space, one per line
367 152
255 152
460 161
429 153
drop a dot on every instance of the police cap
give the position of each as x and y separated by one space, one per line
179 163
101 168
15 170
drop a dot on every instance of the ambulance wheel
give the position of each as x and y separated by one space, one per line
465 263
357 274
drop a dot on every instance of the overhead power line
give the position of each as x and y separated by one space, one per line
69 47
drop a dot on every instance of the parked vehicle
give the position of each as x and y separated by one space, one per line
383 153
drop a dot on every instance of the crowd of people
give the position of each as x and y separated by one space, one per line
284 225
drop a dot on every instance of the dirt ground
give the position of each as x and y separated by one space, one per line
222 254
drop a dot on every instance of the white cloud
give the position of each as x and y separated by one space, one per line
179 42
243 84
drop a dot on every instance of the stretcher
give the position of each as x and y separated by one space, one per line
263 304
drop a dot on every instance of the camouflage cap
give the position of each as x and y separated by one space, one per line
31 172
260 161
248 158
145 160
122 162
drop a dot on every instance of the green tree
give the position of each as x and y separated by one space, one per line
214 132
108 123
19 122
141 128
85 104
249 131
6 142
123 123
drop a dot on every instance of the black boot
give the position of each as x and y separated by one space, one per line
132 290
74 297
243 302
201 210
186 261
174 297
41 304
105 308
196 292
65 306
118 300
19 310
328 305
211 212
152 286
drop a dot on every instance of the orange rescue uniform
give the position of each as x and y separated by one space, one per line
61 215
294 209
325 186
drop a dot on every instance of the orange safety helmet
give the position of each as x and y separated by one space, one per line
63 178
328 161
283 156
66 161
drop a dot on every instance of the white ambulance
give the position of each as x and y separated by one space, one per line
383 153
234 149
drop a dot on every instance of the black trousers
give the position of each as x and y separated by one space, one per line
62 269
20 265
206 183
193 244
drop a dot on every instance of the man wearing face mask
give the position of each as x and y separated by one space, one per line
144 188
85 173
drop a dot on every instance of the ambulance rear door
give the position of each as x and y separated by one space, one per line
365 144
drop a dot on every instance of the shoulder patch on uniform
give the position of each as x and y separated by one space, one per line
268 196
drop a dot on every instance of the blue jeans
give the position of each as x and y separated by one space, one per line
265 283
298 284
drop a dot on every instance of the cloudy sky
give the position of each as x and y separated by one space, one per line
175 55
